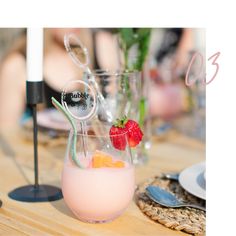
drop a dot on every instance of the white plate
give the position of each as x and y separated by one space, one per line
193 181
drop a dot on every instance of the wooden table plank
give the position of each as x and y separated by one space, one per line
54 218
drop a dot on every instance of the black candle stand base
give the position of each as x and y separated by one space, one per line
39 193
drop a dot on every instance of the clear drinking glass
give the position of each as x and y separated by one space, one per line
103 188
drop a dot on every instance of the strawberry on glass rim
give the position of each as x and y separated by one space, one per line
123 128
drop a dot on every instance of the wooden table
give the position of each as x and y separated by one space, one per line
54 218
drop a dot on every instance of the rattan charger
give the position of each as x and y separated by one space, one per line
188 220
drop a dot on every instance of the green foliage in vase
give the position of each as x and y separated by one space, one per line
139 37
135 36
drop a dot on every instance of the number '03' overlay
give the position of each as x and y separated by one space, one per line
196 55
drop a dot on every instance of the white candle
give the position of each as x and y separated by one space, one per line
34 54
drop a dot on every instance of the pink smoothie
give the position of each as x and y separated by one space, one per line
97 194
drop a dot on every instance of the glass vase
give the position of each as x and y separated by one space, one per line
123 92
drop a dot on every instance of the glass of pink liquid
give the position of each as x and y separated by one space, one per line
101 190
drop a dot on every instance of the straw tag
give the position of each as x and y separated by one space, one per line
79 99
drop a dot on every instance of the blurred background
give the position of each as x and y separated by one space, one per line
7 38
170 104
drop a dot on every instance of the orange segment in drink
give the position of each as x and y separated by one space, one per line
97 162
101 159
119 164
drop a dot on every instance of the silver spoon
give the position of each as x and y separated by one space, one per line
172 176
167 199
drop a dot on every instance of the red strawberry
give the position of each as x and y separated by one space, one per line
118 137
135 134
125 128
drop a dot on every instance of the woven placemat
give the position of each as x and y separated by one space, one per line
188 220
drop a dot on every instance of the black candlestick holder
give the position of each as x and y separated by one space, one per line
35 192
